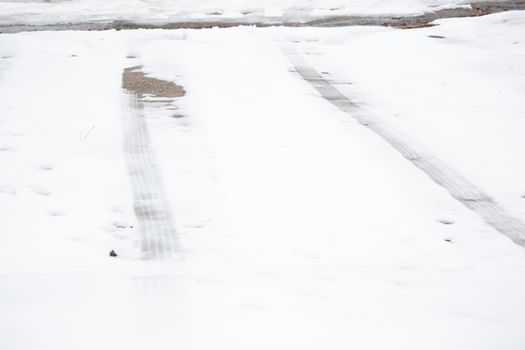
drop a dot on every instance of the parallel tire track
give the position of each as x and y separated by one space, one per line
458 187
151 207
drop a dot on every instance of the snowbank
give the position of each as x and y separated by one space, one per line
44 12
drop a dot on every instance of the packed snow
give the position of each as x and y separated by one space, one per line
297 227
66 11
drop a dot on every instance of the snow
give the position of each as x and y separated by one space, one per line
44 12
297 227
471 113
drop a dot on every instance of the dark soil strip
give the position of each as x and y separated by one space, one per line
477 9
425 20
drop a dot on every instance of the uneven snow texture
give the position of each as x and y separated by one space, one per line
297 227
64 11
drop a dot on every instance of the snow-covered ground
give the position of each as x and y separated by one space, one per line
296 226
64 11
473 78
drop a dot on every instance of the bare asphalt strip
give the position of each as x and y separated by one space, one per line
478 8
458 187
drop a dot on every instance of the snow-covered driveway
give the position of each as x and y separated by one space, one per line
296 227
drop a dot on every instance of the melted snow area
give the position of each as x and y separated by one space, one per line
250 212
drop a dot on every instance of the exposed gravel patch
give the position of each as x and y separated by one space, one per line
134 80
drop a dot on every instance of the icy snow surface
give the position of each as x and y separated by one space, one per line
297 228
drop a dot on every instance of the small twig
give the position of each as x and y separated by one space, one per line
87 134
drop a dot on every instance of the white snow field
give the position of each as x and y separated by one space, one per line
295 226
65 11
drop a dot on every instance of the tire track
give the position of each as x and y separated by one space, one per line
150 204
458 187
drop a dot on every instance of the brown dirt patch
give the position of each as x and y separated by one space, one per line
134 80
